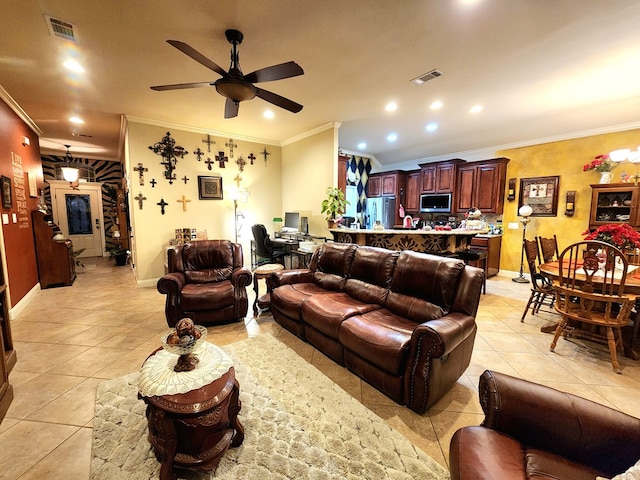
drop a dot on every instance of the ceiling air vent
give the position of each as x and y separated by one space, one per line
427 76
61 29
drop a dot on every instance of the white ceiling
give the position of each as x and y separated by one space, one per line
541 68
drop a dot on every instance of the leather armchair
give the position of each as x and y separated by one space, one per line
533 431
206 282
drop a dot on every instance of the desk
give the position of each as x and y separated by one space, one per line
632 291
288 246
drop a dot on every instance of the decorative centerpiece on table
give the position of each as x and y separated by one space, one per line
620 235
603 165
184 341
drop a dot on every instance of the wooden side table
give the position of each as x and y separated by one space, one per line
263 271
193 430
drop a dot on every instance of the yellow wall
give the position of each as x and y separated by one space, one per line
152 230
309 166
566 159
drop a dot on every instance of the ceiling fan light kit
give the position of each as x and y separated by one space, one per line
234 85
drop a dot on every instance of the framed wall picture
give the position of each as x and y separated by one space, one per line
209 188
541 194
6 192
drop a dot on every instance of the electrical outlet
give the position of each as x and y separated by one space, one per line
513 225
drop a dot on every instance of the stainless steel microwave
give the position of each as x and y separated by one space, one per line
435 203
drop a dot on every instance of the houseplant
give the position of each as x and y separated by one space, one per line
620 235
120 254
333 205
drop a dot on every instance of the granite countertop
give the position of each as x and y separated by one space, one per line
455 231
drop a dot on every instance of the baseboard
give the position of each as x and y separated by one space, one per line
19 307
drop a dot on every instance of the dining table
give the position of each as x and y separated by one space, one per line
631 291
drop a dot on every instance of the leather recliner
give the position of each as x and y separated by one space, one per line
206 282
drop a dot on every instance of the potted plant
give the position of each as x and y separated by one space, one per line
333 206
120 254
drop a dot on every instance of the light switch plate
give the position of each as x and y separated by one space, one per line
513 225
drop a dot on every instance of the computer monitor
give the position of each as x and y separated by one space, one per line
292 221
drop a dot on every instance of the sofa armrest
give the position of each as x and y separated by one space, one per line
442 335
241 278
573 427
171 283
287 277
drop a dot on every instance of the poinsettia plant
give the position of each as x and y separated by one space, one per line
619 235
601 163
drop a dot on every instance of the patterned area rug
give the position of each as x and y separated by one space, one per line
298 425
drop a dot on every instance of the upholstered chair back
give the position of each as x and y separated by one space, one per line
370 274
206 261
333 264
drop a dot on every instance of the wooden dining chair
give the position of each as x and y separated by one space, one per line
542 289
548 249
590 290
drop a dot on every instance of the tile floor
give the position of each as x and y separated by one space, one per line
70 339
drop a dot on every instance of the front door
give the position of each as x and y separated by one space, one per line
78 213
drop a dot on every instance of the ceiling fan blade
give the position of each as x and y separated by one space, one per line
197 56
179 86
275 72
278 100
231 108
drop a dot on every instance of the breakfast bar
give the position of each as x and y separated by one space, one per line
426 241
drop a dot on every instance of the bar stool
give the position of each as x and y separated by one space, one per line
480 258
263 271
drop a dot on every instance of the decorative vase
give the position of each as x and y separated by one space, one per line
606 177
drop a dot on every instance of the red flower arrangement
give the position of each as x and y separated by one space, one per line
601 163
619 235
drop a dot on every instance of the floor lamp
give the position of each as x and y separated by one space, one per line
524 212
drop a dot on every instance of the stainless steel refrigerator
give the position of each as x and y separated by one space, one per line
380 208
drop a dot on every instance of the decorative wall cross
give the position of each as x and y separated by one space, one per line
241 163
222 159
208 161
140 198
170 153
184 202
251 158
238 179
209 141
162 204
140 169
198 153
185 179
231 146
265 154
153 183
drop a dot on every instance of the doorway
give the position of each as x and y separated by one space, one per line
78 213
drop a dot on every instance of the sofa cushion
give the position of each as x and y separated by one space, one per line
423 286
207 296
380 337
540 464
334 261
370 274
288 299
327 311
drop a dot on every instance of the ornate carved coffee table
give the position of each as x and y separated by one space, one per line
193 430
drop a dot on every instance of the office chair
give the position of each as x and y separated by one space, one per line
265 251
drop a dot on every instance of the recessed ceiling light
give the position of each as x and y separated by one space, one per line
392 137
436 105
268 114
74 66
362 146
76 120
476 109
391 107
431 127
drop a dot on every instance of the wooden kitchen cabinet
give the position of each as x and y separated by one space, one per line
481 185
386 184
374 186
56 263
614 203
492 246
439 177
412 192
342 173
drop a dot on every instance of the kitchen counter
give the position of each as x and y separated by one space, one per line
428 241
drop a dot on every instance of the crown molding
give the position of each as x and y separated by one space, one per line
17 109
310 133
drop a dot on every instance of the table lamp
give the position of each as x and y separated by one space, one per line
525 212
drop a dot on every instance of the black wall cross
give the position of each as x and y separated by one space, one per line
153 183
265 154
198 153
208 161
162 204
170 152
251 158
222 159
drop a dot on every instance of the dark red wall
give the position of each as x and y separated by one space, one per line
22 270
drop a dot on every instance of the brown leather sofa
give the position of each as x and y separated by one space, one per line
402 321
535 432
206 283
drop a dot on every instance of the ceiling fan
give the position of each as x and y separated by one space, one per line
234 85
